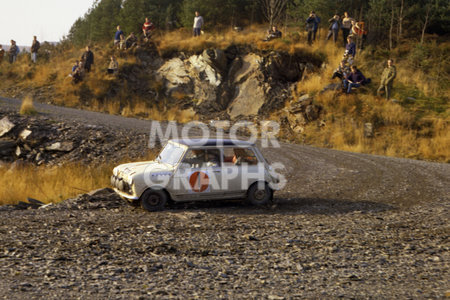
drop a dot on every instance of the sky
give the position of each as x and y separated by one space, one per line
49 20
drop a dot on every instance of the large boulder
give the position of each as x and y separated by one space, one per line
250 89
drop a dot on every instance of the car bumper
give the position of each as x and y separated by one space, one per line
125 195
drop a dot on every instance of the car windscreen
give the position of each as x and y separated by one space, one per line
171 154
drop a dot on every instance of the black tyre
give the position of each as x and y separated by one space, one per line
154 200
259 195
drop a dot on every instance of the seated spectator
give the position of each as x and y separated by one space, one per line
350 51
273 33
113 67
131 41
354 79
147 29
341 71
122 42
77 72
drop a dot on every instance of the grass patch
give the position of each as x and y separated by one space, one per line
27 107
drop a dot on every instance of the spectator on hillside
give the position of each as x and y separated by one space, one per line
350 50
113 67
2 53
311 26
117 35
198 24
333 29
354 79
35 45
273 33
358 31
88 59
387 79
131 41
341 71
346 26
77 72
147 29
316 27
122 42
13 51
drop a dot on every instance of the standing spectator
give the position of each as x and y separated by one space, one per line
147 29
354 79
273 33
333 30
387 79
350 50
13 52
34 49
311 27
198 23
316 27
88 59
346 26
2 53
113 67
117 35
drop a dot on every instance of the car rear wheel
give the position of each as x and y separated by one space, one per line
259 195
153 200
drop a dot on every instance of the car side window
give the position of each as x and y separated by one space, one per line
238 156
198 158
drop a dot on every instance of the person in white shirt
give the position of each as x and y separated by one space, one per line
198 23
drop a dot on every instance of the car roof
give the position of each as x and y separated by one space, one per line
211 142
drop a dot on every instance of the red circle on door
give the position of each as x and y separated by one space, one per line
199 181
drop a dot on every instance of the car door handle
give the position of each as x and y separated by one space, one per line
216 171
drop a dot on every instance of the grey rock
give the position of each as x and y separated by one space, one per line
368 130
5 126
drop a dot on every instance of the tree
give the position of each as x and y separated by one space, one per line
273 10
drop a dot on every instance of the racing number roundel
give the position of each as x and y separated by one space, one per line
199 181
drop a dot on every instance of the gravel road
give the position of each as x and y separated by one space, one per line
346 225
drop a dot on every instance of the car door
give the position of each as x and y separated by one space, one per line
196 177
241 168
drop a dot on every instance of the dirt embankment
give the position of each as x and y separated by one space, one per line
346 225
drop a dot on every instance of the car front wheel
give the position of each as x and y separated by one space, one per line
153 200
259 195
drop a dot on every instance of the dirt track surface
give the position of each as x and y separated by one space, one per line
346 225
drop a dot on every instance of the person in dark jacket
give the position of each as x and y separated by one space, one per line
88 59
273 33
34 49
350 50
333 29
13 51
312 24
354 79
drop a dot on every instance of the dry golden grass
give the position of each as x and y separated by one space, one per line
50 184
27 107
54 184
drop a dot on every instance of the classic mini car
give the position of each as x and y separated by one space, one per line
195 169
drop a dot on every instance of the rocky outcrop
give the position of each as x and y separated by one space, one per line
240 82
39 140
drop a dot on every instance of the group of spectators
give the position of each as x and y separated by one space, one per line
14 51
352 77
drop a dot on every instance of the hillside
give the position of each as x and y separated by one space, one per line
236 76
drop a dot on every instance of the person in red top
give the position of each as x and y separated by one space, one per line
147 28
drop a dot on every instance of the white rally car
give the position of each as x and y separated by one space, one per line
198 169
